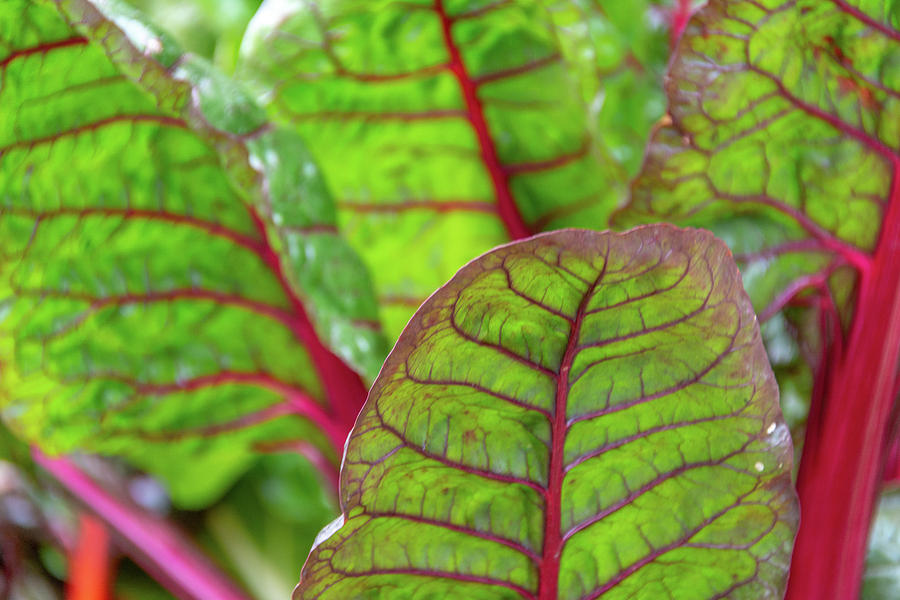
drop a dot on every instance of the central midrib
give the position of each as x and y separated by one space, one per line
553 539
506 205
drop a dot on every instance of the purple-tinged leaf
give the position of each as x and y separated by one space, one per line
578 415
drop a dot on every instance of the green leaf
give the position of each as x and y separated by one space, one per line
446 128
170 261
578 415
619 51
782 137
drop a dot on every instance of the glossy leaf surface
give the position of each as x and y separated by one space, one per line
167 258
577 415
446 128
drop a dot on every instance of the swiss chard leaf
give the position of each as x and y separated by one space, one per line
167 258
446 128
783 114
578 415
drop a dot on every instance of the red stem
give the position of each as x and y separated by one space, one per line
845 451
160 550
89 562
681 14
892 466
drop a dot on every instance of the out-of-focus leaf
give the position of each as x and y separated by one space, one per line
211 28
265 527
445 128
618 50
578 415
161 246
133 584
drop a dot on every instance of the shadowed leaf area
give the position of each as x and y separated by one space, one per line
579 415
444 128
171 285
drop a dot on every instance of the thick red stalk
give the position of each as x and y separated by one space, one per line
891 474
164 553
843 457
89 562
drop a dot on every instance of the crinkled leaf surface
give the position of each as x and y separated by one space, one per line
578 415
785 113
445 128
160 249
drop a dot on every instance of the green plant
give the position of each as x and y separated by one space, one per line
176 289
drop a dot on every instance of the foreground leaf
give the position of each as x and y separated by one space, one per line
446 128
579 415
167 259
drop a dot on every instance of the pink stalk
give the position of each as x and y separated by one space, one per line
157 547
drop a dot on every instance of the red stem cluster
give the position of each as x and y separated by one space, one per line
152 543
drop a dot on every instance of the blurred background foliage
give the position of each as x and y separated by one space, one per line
210 28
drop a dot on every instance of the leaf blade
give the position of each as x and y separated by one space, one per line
460 475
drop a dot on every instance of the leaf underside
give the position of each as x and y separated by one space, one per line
446 128
144 300
578 415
